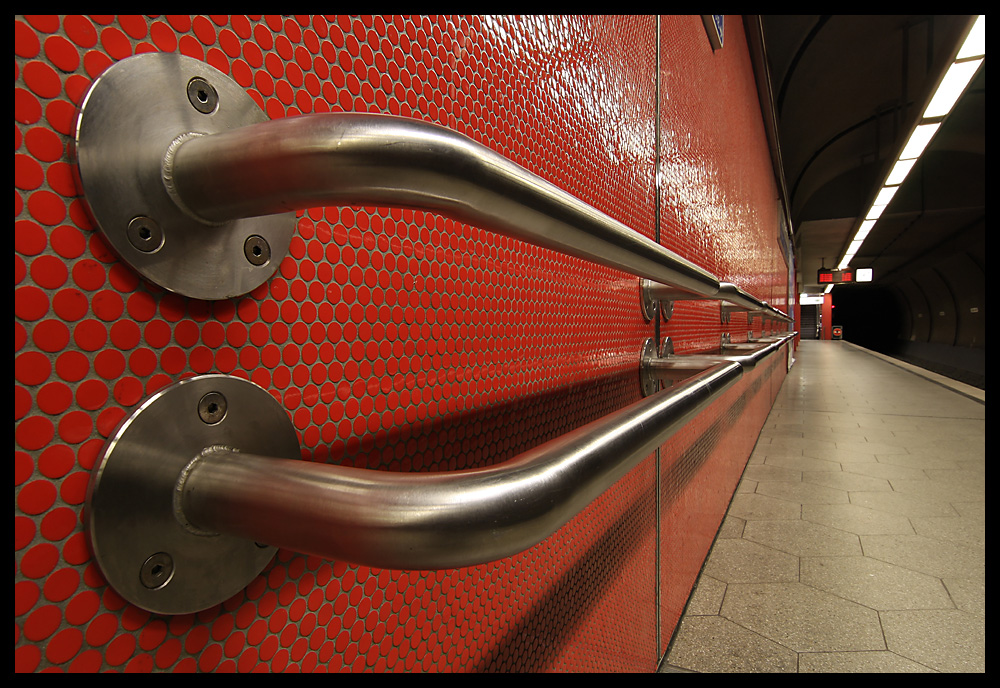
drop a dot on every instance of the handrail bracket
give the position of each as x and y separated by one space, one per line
131 123
142 541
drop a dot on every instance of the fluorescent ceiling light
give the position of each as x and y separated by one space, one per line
885 195
952 86
975 42
899 171
956 79
874 212
919 139
863 230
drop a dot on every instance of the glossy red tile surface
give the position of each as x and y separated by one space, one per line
400 340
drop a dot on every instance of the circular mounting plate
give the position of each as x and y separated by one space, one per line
649 383
133 114
144 551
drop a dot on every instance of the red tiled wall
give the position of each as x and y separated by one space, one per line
399 339
718 208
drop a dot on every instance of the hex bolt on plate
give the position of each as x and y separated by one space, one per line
133 118
212 408
257 250
157 570
145 552
202 95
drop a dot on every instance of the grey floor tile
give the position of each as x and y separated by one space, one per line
883 662
706 598
885 471
946 640
874 583
857 519
770 472
952 448
803 538
802 492
877 448
801 463
969 595
803 618
801 443
711 644
901 504
840 455
970 532
941 490
927 555
743 561
757 506
732 527
847 481
918 461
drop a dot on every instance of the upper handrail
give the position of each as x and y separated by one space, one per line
728 293
196 189
382 160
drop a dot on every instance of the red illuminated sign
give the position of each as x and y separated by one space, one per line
835 276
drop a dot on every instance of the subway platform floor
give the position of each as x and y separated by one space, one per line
856 540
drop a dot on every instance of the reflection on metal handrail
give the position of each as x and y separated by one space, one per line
208 467
657 297
179 166
664 366
198 486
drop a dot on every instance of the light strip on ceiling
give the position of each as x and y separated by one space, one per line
956 79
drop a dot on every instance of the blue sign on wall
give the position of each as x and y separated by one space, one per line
715 28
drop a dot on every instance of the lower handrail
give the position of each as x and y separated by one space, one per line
199 485
436 520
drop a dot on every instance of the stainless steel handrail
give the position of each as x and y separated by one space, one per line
194 187
437 520
380 160
388 520
728 293
666 366
361 159
199 485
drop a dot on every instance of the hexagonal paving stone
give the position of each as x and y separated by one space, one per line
743 561
874 583
712 644
928 555
803 618
755 506
943 639
857 663
857 519
802 538
802 493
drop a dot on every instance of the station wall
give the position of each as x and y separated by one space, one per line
400 340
